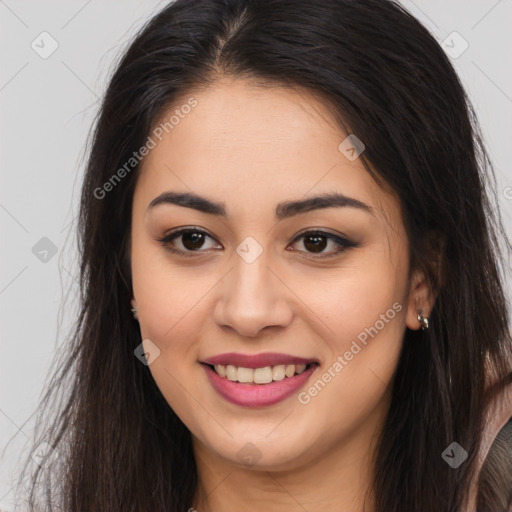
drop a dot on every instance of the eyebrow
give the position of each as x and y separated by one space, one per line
283 210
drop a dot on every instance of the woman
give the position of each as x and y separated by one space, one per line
293 198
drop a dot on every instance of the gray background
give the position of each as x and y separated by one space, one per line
47 107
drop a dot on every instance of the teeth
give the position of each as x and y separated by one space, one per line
262 375
289 371
259 375
220 369
278 372
245 375
299 368
231 372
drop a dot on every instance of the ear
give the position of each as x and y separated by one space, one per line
421 295
134 306
421 299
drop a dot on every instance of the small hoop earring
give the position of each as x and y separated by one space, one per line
423 320
134 312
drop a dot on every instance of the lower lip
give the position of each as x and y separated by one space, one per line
257 395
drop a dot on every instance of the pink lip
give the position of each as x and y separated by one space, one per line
257 395
256 361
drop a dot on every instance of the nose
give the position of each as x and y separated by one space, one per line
253 298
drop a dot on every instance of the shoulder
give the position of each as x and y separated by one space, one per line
495 481
495 467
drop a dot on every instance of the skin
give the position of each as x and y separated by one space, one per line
251 148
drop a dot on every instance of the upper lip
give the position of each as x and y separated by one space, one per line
256 360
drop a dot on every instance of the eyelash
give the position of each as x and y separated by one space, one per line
342 242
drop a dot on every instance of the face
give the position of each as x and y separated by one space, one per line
257 287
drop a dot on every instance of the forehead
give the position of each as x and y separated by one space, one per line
246 144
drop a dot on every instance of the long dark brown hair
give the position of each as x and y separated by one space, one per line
120 446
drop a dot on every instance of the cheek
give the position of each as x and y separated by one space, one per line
364 301
167 294
365 313
171 310
352 384
170 304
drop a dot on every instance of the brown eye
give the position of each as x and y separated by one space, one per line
316 242
192 240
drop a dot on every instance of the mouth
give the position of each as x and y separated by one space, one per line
258 380
263 375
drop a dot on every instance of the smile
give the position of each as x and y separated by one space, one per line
263 375
257 380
